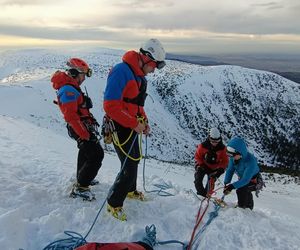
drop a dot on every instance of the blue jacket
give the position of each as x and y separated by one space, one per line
246 167
125 81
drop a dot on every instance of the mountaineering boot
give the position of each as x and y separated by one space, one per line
83 192
117 212
137 195
94 182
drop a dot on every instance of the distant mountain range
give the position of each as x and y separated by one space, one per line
184 101
286 66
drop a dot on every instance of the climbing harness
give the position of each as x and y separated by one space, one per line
108 127
110 135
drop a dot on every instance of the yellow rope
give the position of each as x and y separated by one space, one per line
119 145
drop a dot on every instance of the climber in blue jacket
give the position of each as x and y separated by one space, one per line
244 164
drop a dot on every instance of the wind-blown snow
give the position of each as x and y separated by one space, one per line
38 164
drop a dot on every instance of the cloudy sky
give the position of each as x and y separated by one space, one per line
183 26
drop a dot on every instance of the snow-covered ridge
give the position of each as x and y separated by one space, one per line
184 101
37 171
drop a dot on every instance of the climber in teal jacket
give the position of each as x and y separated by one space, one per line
244 165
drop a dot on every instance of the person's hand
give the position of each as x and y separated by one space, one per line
140 128
147 130
227 189
216 174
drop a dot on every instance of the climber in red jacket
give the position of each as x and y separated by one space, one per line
211 160
82 126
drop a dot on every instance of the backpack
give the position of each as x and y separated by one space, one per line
257 184
115 246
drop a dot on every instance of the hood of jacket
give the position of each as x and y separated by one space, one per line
60 79
239 145
132 58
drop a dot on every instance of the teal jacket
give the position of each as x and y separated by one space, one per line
245 168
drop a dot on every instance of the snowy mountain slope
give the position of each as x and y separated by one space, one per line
184 101
262 107
37 170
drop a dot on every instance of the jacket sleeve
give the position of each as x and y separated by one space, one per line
250 171
69 107
199 155
143 113
229 172
114 109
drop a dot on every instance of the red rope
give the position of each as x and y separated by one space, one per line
211 186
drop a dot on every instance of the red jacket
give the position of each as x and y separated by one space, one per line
220 151
124 81
71 103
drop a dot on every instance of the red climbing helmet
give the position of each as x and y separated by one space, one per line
79 65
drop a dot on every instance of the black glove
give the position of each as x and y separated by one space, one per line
227 189
216 174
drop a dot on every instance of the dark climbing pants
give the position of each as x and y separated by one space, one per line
199 176
126 179
89 161
245 197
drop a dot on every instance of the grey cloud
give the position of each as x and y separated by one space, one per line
269 5
74 33
212 20
190 45
145 5
24 2
257 19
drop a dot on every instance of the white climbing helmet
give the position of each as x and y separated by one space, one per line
154 49
214 134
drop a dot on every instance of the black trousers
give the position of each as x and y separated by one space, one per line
245 197
89 161
199 176
126 179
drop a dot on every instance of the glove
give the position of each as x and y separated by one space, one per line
227 189
216 174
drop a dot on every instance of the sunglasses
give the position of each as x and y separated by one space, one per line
88 73
158 64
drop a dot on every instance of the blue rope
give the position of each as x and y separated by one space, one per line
173 242
150 238
212 215
76 240
161 191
